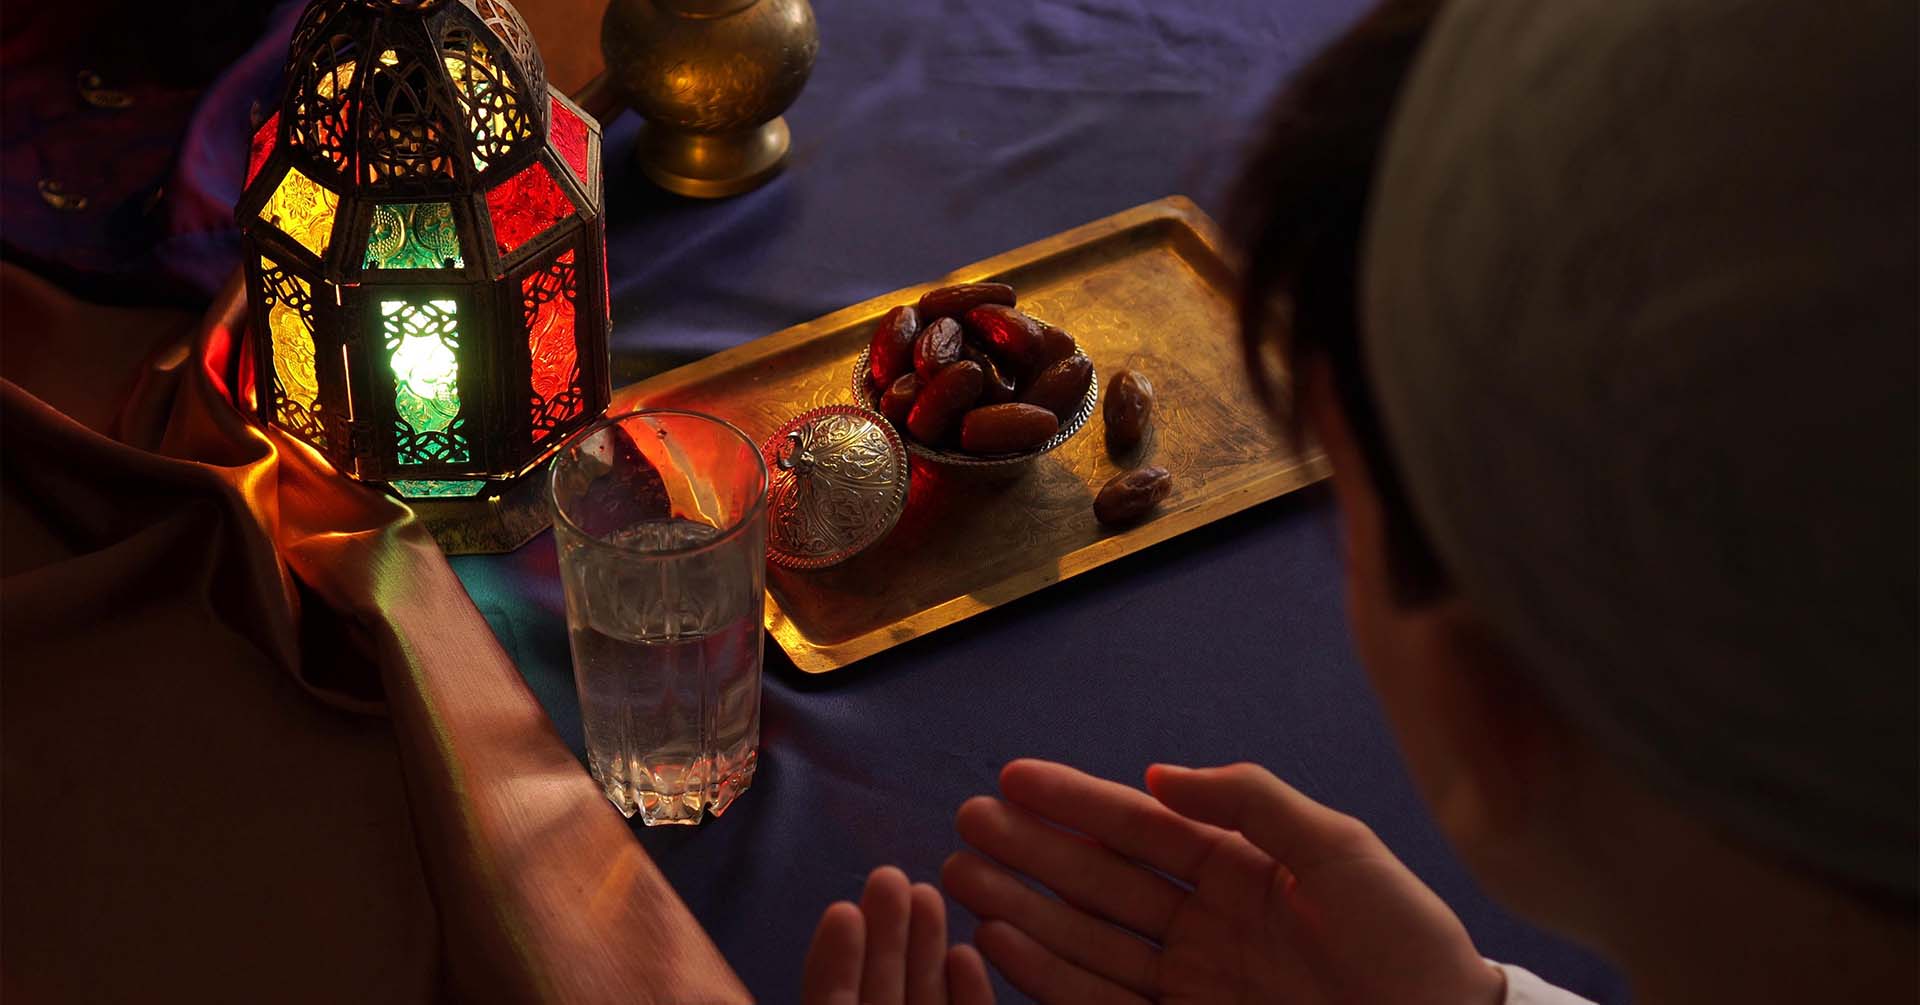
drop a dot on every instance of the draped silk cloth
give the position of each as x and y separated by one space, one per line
199 623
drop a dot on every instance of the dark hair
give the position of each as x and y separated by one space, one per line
1298 211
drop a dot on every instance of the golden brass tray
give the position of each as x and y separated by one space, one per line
1146 289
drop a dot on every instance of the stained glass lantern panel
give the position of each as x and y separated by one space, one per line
303 209
423 348
322 113
525 206
416 236
288 300
433 489
548 299
405 133
496 121
262 147
570 138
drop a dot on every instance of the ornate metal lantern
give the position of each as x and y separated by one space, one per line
424 251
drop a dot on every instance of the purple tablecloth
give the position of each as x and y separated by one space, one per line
932 136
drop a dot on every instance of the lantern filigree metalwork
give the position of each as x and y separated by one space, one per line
424 249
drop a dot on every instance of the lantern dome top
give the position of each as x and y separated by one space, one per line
413 98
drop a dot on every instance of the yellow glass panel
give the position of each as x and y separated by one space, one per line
303 210
336 82
289 299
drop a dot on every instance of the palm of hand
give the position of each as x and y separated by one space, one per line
1351 929
1294 903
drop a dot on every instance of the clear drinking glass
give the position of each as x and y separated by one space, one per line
660 519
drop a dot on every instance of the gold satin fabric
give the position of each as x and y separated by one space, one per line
199 624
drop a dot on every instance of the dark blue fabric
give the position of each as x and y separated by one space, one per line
932 136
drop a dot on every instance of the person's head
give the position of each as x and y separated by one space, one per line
1604 312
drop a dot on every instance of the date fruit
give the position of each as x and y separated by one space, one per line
1011 337
1131 496
898 400
944 400
1055 345
999 388
937 348
891 352
1128 408
1007 429
953 301
1060 387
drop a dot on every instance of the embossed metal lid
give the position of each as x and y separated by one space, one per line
838 484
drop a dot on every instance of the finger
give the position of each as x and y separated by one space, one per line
1275 816
1119 816
1083 873
926 947
1068 932
832 972
886 906
967 982
1047 978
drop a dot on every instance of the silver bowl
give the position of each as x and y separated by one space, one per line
864 393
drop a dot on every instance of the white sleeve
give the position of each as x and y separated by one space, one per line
1523 988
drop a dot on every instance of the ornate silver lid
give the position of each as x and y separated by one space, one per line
839 483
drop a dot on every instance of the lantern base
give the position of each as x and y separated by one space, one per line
712 165
489 524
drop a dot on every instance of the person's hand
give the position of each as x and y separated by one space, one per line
1232 886
891 949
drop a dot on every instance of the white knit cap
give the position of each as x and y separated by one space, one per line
1640 311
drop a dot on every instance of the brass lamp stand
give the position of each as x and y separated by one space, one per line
711 78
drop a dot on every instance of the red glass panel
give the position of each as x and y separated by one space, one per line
524 206
547 299
263 145
570 138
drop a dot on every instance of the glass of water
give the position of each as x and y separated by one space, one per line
660 519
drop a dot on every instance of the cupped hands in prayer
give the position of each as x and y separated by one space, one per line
1222 885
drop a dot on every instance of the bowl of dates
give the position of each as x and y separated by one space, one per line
970 381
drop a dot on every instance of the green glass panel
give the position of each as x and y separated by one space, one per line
423 342
414 236
438 490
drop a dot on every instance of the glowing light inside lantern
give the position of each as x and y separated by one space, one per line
524 206
303 210
417 236
422 341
